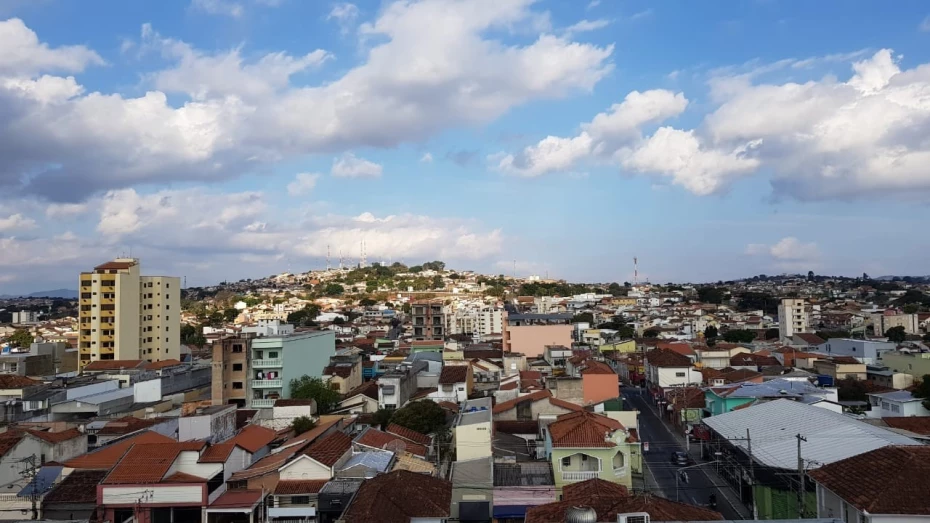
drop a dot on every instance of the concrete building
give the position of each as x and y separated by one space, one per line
428 320
213 424
481 321
868 352
344 372
22 317
126 316
529 334
890 319
792 318
471 432
231 358
916 364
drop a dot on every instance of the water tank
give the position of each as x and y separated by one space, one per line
580 515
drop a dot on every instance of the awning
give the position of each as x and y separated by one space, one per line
510 511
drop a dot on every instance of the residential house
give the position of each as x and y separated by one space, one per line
372 438
106 457
520 486
753 361
718 356
806 339
529 334
865 351
917 364
293 499
885 377
472 489
397 386
366 465
840 368
211 424
536 405
74 497
666 368
344 372
626 346
360 400
886 485
583 445
256 440
400 497
899 403
471 431
18 444
726 398
792 357
246 504
455 384
599 382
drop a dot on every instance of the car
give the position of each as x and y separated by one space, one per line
681 458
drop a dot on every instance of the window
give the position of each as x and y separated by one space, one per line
679 374
237 367
567 461
237 384
237 348
300 500
272 355
584 457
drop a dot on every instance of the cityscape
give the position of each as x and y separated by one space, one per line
477 261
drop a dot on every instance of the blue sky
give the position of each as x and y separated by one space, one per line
221 139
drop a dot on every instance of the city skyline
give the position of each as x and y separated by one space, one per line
228 139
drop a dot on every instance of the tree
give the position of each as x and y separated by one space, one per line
651 333
739 336
307 387
710 294
710 332
216 319
584 317
438 283
810 275
415 269
230 315
911 308
772 334
381 417
424 416
304 317
896 334
21 338
922 390
615 289
302 424
333 289
496 291
367 302
851 389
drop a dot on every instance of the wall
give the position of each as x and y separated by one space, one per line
600 387
146 391
66 450
605 456
472 441
914 364
303 353
568 389
620 346
304 468
10 467
189 379
668 376
531 340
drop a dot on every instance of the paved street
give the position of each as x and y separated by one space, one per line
661 444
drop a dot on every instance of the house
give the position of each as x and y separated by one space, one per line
805 339
583 445
212 424
472 489
372 438
886 485
899 403
599 382
247 504
471 431
536 405
609 501
455 384
75 497
399 497
917 364
292 499
666 368
256 440
106 457
886 377
752 361
366 465
321 459
18 444
360 400
841 367
344 372
722 399
520 486
865 351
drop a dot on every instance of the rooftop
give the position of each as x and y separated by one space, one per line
253 437
525 474
408 434
452 374
329 449
104 365
582 429
107 457
148 462
399 496
301 486
376 439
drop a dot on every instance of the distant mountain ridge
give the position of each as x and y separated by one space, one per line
57 293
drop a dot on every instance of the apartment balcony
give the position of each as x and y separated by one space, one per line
85 301
268 364
267 384
263 403
298 513
107 314
579 476
104 338
108 301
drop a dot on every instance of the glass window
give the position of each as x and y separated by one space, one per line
237 367
272 355
237 384
566 461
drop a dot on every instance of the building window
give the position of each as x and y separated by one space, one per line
237 384
567 461
300 500
237 367
237 348
272 355
679 374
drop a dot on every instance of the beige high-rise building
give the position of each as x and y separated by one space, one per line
127 316
793 318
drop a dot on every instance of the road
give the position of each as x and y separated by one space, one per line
661 445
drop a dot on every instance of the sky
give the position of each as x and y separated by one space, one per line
228 139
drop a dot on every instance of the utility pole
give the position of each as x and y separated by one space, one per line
752 477
800 478
31 472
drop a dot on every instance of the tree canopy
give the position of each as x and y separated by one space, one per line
21 338
896 334
739 336
584 317
304 317
307 387
711 294
302 424
424 416
922 390
710 332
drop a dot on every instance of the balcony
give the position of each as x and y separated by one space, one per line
579 476
107 314
267 384
268 364
263 403
297 512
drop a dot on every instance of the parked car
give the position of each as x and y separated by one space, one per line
681 458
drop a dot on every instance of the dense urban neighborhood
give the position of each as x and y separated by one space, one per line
421 393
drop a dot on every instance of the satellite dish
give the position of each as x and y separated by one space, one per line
396 446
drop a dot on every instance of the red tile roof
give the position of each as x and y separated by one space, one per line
12 381
273 462
667 358
680 347
158 365
369 388
399 496
448 405
916 424
582 429
78 487
608 507
597 367
343 371
183 477
810 339
126 425
253 437
302 486
101 365
217 453
8 441
535 396
108 456
594 487
145 463
889 480
377 439
329 449
408 434
238 499
452 374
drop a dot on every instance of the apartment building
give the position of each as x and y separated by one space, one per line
126 316
480 320
428 320
890 319
529 334
793 318
254 372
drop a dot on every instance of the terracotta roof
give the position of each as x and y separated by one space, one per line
12 381
594 487
217 453
146 463
452 374
448 405
55 437
343 371
597 367
810 339
329 449
374 438
108 456
510 385
534 396
530 375
369 388
8 441
253 437
408 434
126 425
667 358
183 477
399 496
102 365
582 429
685 397
293 402
78 487
680 347
889 480
302 486
158 365
114 265
916 424
273 462
744 359
517 427
238 499
738 375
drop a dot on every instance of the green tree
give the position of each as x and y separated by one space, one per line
230 315
584 317
438 283
615 289
21 338
415 269
772 334
424 416
651 333
710 332
911 308
307 387
496 291
333 289
434 266
302 424
896 334
381 417
710 295
739 336
922 390
367 302
216 319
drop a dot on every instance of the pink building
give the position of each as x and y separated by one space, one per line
530 333
599 382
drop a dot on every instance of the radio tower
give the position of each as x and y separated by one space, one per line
363 261
327 258
635 271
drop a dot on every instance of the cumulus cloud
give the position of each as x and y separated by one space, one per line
426 158
789 253
436 65
302 184
24 54
219 7
585 26
350 166
16 223
925 25
345 15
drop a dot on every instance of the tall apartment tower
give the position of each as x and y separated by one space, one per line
428 320
792 318
126 316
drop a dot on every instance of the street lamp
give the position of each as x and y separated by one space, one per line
684 475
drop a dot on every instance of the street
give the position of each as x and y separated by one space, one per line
661 445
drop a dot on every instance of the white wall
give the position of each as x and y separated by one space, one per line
668 376
93 388
304 468
146 391
157 494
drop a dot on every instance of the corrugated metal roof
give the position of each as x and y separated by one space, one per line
773 428
103 397
374 460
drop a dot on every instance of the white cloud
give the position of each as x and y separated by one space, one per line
66 210
302 184
584 26
16 223
789 253
426 158
645 13
551 154
350 166
24 54
925 25
593 3
345 15
219 7
436 66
